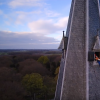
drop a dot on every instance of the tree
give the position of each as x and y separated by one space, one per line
5 61
53 68
56 73
33 83
50 86
29 66
43 59
10 87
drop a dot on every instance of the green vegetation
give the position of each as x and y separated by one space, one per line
50 84
56 73
33 83
43 59
24 76
3 53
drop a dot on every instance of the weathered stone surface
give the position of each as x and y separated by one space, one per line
80 74
69 21
74 84
63 43
97 44
94 71
59 83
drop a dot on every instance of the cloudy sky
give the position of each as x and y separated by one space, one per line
32 24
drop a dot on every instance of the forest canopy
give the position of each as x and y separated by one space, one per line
28 75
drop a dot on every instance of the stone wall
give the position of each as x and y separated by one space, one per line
59 82
94 71
60 77
79 75
69 21
74 82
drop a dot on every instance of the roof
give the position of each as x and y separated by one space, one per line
97 44
63 43
61 46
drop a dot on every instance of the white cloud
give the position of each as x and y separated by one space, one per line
41 26
26 40
27 13
18 22
1 12
17 3
20 19
22 16
24 33
48 26
7 23
62 22
1 3
50 13
52 43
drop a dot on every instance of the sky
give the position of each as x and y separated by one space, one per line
33 24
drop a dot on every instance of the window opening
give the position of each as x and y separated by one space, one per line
97 54
97 57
